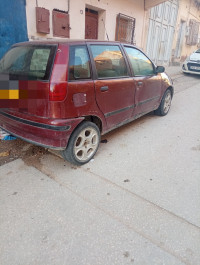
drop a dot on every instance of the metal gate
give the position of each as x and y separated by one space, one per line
13 27
162 24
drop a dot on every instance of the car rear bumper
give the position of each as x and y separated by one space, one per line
54 134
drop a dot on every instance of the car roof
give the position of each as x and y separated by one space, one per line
67 41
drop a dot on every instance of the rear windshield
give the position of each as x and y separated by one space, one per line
198 51
28 62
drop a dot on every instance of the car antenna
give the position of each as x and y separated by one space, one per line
105 30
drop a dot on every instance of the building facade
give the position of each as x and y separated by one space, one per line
172 31
87 19
168 31
187 32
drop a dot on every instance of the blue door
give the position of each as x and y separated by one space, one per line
13 27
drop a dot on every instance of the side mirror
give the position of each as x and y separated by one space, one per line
160 69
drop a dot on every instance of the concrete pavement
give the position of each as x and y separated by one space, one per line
173 71
137 203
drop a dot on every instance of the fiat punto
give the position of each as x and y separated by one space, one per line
65 94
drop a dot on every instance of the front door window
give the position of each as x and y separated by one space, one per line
141 65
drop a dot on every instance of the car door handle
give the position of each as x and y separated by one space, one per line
140 83
104 88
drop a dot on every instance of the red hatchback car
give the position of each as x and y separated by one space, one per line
65 94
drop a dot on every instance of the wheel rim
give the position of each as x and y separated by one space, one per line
167 102
86 144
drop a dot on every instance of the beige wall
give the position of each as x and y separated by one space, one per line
31 15
152 3
187 10
108 10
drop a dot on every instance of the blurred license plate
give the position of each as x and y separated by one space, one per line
195 67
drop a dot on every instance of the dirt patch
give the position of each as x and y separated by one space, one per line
15 149
196 148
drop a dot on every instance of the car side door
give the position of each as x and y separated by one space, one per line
147 81
114 87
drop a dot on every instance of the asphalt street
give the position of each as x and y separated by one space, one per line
137 202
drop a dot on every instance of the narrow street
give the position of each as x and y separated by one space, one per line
183 82
137 202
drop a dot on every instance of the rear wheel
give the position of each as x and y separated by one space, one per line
165 104
83 144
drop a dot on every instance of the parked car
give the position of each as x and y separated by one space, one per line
65 94
192 63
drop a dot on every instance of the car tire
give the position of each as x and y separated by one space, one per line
83 144
165 104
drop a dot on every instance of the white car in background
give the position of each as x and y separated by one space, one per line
192 63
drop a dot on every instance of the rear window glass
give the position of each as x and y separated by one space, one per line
198 51
28 62
79 66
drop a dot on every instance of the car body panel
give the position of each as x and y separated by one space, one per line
119 107
148 92
55 134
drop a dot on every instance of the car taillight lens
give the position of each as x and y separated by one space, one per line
57 92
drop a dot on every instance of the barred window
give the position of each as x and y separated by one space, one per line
125 28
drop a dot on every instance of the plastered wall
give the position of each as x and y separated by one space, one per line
107 9
187 10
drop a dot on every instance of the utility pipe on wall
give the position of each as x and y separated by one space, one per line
68 6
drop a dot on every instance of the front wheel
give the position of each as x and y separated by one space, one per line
83 144
165 104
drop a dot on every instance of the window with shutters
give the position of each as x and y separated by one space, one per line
61 26
42 20
192 38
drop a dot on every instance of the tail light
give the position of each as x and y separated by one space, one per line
57 91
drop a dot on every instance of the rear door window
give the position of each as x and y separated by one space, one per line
28 62
109 61
79 65
141 65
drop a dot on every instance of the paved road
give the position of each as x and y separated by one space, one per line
137 203
183 82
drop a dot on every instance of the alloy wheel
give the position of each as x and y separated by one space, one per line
86 144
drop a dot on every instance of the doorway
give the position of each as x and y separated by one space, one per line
91 24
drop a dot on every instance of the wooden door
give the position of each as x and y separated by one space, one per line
123 28
91 24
